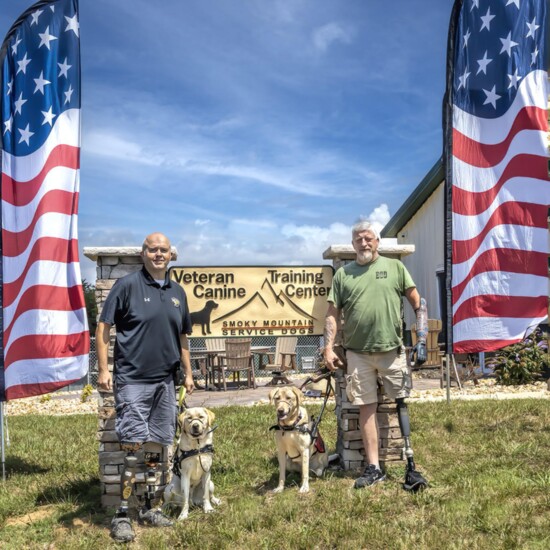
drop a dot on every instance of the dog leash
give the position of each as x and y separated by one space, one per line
330 390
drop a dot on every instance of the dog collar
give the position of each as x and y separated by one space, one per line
294 427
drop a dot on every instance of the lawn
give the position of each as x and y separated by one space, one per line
488 463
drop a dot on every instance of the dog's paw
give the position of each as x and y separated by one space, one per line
184 515
215 501
304 489
278 489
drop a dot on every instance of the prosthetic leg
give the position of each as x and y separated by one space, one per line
414 480
149 514
128 477
151 455
121 526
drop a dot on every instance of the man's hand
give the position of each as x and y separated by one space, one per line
105 381
331 360
189 384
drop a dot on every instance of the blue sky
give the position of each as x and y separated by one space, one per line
253 131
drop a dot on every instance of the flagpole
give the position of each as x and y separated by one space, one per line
447 154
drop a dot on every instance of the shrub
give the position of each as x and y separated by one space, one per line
522 363
87 390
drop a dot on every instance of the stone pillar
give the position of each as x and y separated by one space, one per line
112 264
349 443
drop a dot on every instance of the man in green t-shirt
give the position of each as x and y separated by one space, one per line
368 292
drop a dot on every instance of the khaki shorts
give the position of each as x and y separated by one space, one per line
365 368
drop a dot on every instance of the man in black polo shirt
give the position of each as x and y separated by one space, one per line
152 322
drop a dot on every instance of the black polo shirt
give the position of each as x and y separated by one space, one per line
149 320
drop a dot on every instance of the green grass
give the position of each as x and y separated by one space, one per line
488 463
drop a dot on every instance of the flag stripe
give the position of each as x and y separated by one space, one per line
522 215
498 259
38 376
44 249
43 347
501 283
22 192
529 185
490 305
47 297
492 333
485 155
44 322
55 201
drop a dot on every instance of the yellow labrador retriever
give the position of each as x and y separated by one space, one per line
191 482
297 450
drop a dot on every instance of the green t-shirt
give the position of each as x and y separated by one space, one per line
371 298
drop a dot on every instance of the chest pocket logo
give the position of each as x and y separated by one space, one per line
381 274
176 302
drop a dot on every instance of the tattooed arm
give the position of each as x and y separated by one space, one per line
331 327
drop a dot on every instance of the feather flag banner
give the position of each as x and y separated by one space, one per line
497 167
45 331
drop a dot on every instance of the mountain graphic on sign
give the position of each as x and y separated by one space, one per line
267 298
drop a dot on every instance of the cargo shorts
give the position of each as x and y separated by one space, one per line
364 370
146 412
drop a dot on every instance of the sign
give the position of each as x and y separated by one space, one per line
256 301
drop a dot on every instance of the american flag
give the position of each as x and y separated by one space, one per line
500 185
46 340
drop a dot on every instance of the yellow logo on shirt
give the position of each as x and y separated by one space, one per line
176 302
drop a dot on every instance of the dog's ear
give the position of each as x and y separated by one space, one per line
298 393
211 417
272 394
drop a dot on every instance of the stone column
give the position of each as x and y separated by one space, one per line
112 264
349 443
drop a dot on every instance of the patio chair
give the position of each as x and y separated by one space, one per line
214 348
237 358
281 360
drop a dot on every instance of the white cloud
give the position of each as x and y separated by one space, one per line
325 36
379 217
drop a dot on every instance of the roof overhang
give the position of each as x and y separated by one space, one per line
415 200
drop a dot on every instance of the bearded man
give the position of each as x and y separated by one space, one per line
368 292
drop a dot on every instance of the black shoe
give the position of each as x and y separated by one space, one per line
371 476
121 529
155 518
414 481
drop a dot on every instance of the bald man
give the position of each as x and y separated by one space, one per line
152 322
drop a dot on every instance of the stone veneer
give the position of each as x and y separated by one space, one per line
112 264
349 443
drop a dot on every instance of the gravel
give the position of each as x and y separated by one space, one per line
62 403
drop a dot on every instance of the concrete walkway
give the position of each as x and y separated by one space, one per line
245 396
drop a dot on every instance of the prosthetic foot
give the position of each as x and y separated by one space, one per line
414 480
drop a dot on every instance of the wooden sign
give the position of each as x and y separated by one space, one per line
256 301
